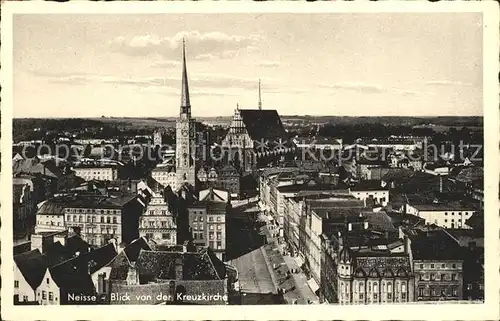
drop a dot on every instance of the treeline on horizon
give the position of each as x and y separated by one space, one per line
348 128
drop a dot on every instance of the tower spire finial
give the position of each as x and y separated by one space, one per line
260 98
185 104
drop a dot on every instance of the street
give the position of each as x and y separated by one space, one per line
245 241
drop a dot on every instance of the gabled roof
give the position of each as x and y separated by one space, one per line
119 267
72 278
263 124
134 248
94 260
162 265
32 265
436 245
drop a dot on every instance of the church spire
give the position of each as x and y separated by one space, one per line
260 98
185 104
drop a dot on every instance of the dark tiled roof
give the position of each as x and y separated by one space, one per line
32 265
189 287
379 221
476 221
72 278
77 244
263 124
35 166
162 265
435 245
134 248
368 185
373 264
119 267
51 208
94 260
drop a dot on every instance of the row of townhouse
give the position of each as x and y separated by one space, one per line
354 254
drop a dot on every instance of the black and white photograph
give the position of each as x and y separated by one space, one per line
333 159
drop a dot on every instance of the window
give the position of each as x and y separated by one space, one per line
403 296
375 296
443 276
433 291
80 218
211 235
432 276
195 218
219 227
375 287
51 296
442 265
218 218
454 291
445 213
421 266
25 298
211 227
102 219
453 277
114 220
432 266
421 291
69 218
210 218
219 245
454 266
219 235
151 212
48 280
403 286
361 296
201 218
16 284
44 295
389 296
165 236
108 220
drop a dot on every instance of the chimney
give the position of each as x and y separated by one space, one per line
100 283
407 244
132 278
178 268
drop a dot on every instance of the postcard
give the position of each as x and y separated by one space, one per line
319 160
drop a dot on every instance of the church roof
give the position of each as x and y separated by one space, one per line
263 124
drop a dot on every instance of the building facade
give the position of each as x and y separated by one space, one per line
158 223
98 173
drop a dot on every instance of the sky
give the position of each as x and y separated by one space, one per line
347 64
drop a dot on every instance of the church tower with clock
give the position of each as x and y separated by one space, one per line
185 135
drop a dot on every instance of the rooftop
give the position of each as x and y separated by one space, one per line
435 245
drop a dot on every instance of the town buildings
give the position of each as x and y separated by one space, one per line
158 223
165 175
99 219
96 172
207 220
438 262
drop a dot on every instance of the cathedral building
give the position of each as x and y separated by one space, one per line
256 138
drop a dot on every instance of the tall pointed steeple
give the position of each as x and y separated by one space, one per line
260 98
185 104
